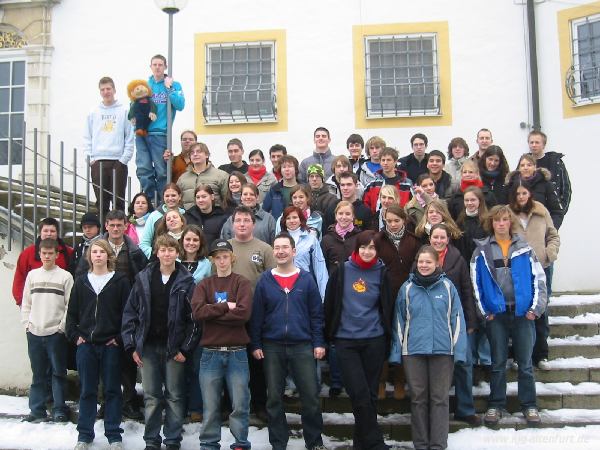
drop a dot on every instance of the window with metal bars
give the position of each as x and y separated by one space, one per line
240 83
12 109
402 76
583 79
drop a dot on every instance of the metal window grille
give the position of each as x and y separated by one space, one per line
12 109
402 75
240 83
583 78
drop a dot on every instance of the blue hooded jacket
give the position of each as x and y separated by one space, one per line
159 97
287 318
528 278
429 321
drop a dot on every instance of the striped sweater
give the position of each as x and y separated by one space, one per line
45 300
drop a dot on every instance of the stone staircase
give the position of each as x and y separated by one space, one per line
38 201
568 390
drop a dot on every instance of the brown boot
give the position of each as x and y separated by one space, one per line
399 381
381 392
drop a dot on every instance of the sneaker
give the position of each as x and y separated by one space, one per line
334 392
543 364
532 416
472 420
82 445
60 417
515 366
196 417
131 412
492 416
118 445
35 419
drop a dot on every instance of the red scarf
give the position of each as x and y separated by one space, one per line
257 174
466 183
442 257
362 264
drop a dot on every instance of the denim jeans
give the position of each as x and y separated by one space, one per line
47 353
192 383
361 361
480 346
232 367
522 332
94 361
302 365
463 384
151 166
542 327
335 374
161 371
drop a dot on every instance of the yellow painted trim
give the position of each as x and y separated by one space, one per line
564 18
359 32
201 40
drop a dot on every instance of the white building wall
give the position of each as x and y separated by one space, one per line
488 68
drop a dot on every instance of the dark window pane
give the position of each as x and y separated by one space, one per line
3 153
18 100
4 99
16 125
5 74
17 150
3 126
18 72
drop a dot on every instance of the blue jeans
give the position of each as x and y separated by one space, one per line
232 367
522 331
463 384
542 327
161 371
94 361
302 365
47 353
151 166
192 382
480 346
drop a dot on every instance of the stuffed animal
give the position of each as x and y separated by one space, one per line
142 110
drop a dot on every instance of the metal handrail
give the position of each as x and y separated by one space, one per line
49 165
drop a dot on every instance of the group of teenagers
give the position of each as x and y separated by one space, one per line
243 278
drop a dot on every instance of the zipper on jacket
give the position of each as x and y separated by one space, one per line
95 320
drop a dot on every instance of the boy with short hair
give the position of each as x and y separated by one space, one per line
370 166
389 174
43 314
159 332
223 303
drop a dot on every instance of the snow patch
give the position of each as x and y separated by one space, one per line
563 300
581 319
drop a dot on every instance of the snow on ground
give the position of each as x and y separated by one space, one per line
578 362
575 340
15 434
575 299
582 318
564 388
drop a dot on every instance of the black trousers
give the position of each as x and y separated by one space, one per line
361 361
107 184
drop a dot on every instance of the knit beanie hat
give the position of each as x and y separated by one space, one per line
317 169
90 219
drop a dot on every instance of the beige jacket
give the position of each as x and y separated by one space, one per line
540 234
217 179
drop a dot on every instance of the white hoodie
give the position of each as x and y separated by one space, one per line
108 134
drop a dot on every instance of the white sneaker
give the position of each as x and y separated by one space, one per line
543 364
82 446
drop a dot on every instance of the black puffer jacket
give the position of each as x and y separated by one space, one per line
495 183
336 249
211 223
457 203
542 190
97 317
472 229
457 271
184 333
560 177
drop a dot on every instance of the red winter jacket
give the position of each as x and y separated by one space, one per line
29 259
371 195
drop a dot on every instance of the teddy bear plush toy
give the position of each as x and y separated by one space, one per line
142 110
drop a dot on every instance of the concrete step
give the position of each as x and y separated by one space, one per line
573 346
396 427
586 324
574 305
